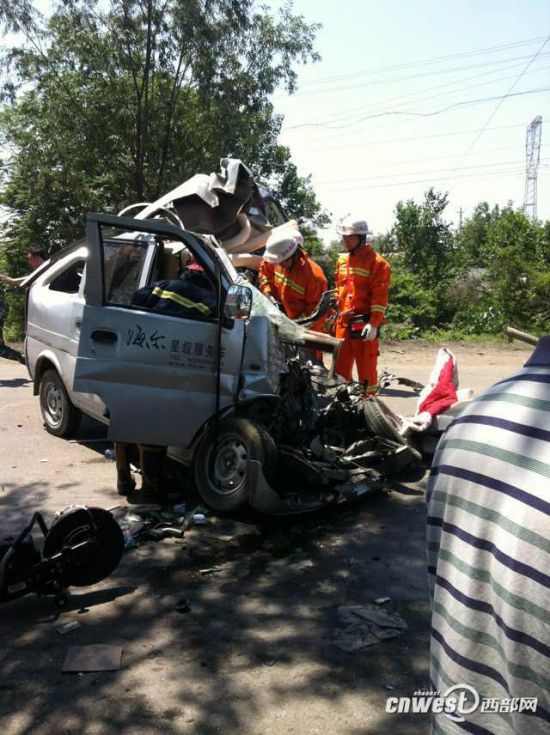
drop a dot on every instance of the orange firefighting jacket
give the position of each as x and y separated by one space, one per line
266 281
297 288
362 286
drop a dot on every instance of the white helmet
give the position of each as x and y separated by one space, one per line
351 225
281 246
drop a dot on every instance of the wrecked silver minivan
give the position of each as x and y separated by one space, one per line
231 392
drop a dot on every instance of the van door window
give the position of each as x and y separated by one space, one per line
150 274
68 281
124 262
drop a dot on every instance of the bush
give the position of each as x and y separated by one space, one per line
411 303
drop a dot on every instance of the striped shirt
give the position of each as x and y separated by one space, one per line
488 531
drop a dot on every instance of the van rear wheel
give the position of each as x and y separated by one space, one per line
61 418
220 466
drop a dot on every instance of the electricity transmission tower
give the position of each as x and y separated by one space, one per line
532 155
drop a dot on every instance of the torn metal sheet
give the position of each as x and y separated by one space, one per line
210 203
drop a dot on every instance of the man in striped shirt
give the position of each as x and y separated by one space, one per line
489 556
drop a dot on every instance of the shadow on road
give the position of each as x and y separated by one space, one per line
258 641
14 382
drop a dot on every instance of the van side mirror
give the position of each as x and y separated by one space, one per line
238 302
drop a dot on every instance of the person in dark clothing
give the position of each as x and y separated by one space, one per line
191 295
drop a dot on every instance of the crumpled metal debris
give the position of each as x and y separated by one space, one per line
333 444
362 626
386 379
155 522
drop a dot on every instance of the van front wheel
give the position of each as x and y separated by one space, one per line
61 418
220 466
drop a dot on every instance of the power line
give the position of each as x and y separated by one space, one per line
426 62
408 139
420 96
499 105
417 173
480 177
426 159
408 77
464 103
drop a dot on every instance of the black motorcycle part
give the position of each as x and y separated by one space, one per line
90 541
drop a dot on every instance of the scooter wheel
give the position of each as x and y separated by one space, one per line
89 565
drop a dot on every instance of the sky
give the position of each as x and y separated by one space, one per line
410 95
419 93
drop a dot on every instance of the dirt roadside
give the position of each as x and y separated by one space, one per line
257 652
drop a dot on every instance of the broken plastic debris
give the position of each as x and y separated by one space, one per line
158 534
44 460
199 519
68 627
381 600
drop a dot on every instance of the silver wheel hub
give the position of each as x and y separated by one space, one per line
230 464
54 404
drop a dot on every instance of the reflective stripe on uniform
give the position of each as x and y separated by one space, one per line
285 281
355 271
181 300
378 307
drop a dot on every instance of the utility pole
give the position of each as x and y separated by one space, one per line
460 218
532 156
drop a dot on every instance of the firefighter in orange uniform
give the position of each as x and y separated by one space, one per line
362 287
291 277
266 279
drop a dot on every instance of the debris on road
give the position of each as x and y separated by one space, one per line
95 657
156 523
183 606
363 626
68 627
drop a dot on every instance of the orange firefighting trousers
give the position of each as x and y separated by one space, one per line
365 355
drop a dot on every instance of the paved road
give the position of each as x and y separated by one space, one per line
257 652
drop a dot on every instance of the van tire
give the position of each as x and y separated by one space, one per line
381 420
222 479
61 418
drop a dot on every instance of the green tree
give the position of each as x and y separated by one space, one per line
295 192
110 107
424 250
412 303
518 271
424 239
471 238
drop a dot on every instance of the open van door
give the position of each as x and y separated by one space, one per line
157 373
